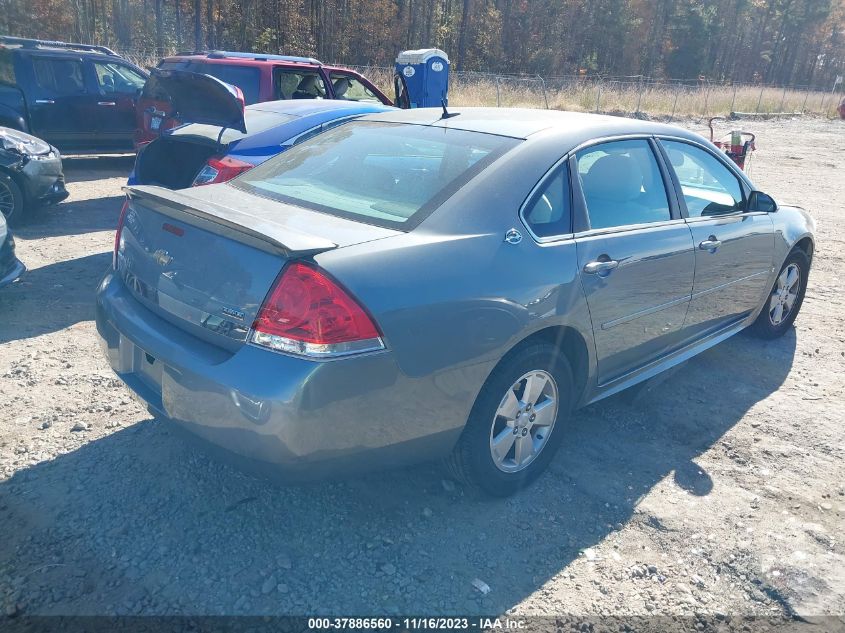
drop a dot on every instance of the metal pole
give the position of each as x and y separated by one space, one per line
760 99
706 99
806 95
675 105
639 95
498 101
733 99
782 98
598 96
545 96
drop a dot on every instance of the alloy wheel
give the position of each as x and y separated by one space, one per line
7 200
784 294
524 420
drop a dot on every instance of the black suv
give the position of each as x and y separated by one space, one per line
77 97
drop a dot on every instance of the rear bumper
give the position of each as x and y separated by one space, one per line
303 418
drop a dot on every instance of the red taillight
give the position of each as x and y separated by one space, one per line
220 170
308 313
117 233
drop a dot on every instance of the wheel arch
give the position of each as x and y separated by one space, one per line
571 343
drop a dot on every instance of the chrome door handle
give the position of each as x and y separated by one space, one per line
45 101
710 244
596 267
106 103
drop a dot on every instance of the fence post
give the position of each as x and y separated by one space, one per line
675 105
598 96
760 99
639 95
545 96
806 96
498 102
782 99
733 99
706 98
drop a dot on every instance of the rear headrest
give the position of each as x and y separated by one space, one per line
615 177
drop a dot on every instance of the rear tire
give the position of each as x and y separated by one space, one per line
11 200
784 299
532 434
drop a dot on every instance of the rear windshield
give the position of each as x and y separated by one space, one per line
256 121
388 174
7 68
247 78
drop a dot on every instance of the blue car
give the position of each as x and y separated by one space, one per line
221 138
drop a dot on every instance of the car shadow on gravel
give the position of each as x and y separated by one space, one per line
141 521
74 217
52 297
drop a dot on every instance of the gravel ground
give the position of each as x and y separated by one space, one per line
720 490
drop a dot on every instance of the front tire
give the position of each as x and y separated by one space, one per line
11 200
785 298
517 423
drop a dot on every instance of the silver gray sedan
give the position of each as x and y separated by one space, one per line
422 284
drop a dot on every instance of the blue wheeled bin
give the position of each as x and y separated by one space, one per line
421 79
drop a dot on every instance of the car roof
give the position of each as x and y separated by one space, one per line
306 107
524 122
25 44
253 59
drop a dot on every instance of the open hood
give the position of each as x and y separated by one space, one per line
198 98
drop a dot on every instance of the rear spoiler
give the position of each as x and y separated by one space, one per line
233 223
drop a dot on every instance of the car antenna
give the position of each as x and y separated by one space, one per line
446 113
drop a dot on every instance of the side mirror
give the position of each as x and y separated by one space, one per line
759 201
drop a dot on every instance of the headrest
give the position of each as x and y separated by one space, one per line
615 177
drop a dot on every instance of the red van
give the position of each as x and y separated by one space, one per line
260 78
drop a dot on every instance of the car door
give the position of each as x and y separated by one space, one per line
733 248
118 87
635 254
60 106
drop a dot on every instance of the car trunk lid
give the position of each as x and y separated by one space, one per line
198 98
206 262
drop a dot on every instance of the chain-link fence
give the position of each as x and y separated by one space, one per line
633 96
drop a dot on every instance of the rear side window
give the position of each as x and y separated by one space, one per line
622 184
247 78
708 186
60 77
298 84
387 174
548 213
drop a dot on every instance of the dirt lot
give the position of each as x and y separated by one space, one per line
719 491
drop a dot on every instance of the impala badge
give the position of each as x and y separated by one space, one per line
235 314
162 257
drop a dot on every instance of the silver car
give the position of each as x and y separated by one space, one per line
422 284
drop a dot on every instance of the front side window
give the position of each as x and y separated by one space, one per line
388 174
622 184
59 77
7 67
709 187
349 88
298 84
118 79
548 212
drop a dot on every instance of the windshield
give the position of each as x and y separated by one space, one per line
386 174
256 121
